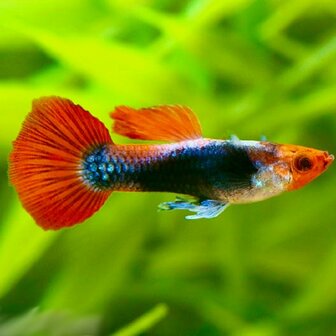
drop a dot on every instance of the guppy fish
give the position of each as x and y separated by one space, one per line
64 164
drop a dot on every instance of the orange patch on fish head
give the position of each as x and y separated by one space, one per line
305 163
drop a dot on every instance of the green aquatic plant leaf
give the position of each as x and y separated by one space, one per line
21 244
145 322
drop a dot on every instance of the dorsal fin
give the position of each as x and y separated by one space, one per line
166 123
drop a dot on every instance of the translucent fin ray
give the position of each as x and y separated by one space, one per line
203 209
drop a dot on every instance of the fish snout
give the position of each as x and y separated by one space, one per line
327 159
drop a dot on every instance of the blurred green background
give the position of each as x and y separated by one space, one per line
246 67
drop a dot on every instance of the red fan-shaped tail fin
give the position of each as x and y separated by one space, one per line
166 123
46 163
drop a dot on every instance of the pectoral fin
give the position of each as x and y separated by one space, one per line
203 209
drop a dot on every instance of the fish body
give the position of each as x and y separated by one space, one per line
64 163
204 168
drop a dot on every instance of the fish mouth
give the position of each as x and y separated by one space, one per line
328 159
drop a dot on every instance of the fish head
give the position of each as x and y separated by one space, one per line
304 163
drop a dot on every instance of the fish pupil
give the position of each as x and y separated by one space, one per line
303 164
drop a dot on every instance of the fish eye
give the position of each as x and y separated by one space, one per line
303 163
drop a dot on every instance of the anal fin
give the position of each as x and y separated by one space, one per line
203 209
